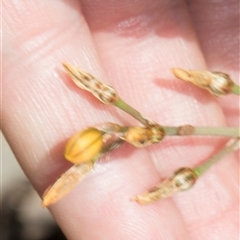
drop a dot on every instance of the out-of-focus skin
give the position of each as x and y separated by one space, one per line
130 45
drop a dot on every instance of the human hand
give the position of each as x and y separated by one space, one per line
131 45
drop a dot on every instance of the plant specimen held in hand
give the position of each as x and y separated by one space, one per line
86 147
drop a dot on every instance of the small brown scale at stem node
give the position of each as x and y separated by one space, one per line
185 130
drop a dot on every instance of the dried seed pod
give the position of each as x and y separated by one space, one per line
215 82
83 146
86 81
183 179
143 136
66 183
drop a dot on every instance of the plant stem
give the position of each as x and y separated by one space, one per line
231 146
131 111
236 89
174 131
205 131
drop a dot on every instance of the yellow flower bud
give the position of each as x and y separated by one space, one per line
83 146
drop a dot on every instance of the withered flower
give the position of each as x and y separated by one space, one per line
182 179
88 82
217 83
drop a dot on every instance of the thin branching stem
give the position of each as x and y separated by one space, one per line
174 131
131 111
232 145
205 131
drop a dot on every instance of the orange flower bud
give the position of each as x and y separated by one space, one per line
83 146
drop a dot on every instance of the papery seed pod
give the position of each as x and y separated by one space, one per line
86 81
66 183
143 136
183 179
83 146
215 82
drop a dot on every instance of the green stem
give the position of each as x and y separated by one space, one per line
236 89
174 131
206 131
131 111
231 146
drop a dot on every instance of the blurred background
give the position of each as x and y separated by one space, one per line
22 217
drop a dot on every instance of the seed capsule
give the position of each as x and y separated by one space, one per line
104 93
83 146
215 82
182 180
143 136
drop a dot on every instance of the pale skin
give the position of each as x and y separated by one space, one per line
130 45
